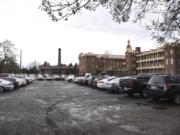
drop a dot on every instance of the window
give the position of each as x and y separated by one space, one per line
171 51
172 61
166 61
166 53
171 71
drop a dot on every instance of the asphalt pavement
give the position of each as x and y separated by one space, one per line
61 108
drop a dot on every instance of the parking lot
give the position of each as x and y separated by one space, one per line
61 108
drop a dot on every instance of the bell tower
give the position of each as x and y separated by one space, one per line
128 47
130 59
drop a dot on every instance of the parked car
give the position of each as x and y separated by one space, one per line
40 77
164 86
90 80
107 83
78 79
70 78
102 83
49 78
122 81
23 78
13 80
113 85
21 81
136 84
98 78
58 78
6 85
86 79
63 77
29 79
32 76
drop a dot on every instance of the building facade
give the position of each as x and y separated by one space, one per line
96 63
150 61
164 60
172 58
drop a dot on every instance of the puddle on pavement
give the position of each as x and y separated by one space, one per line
41 101
132 128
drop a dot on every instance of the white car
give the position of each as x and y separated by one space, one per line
6 85
112 85
49 78
21 81
63 77
78 79
101 83
57 77
30 78
70 78
40 77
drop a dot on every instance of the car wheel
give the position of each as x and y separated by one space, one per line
117 90
156 98
1 89
176 99
71 81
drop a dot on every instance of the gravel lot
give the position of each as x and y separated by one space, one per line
61 108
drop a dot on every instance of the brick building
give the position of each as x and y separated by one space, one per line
165 60
96 63
172 58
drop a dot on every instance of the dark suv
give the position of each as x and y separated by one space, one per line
166 86
136 84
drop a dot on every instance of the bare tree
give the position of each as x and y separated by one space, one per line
161 16
46 63
34 67
7 50
8 57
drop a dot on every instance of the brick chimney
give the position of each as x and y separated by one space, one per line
138 50
59 57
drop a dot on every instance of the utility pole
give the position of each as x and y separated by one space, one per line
20 64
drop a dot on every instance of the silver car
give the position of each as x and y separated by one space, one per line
6 85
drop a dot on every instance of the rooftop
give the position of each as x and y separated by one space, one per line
110 56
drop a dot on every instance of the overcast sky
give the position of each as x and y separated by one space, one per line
31 30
